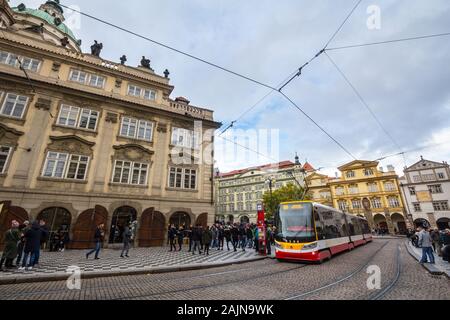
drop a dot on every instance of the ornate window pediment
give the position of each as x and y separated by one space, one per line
9 136
72 145
133 152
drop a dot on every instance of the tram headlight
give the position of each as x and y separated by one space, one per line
310 246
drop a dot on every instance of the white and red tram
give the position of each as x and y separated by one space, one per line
308 231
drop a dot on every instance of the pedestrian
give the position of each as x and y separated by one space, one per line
180 236
32 246
43 242
243 237
12 238
269 236
220 237
189 235
227 235
126 236
425 243
235 237
172 236
207 237
435 238
257 239
196 238
134 226
249 233
98 238
22 229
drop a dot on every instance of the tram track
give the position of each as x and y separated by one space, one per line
340 280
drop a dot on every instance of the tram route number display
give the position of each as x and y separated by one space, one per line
226 310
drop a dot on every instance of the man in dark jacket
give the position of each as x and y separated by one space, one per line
172 235
188 233
227 235
197 234
32 246
180 236
98 237
22 229
12 237
207 237
43 242
235 237
126 242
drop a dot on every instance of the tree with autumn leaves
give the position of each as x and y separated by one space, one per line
287 193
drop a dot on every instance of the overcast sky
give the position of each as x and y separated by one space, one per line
407 84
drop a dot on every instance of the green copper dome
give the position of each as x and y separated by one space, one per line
48 18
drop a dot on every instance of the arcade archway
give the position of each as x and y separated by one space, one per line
57 220
381 223
179 219
421 223
9 213
152 229
84 229
443 223
245 219
121 218
399 223
202 220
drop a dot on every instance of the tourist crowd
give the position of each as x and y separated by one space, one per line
432 241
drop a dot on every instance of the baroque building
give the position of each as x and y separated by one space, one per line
364 189
426 189
85 141
239 192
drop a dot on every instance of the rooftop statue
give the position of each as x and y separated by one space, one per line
145 63
123 59
96 48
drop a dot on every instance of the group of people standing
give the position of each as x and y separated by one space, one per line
432 241
241 236
23 244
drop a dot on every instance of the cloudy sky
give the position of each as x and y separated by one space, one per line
407 85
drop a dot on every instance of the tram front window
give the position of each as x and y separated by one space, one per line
294 222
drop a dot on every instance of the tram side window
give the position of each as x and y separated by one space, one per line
343 224
330 227
357 226
319 224
365 227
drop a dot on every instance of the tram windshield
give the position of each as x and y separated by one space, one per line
294 222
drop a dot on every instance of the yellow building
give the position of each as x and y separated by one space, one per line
366 190
319 189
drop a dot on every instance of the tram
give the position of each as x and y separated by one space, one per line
309 231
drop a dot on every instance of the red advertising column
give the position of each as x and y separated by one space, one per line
261 230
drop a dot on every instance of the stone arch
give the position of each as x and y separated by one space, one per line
244 219
152 229
9 213
187 211
181 218
56 219
202 220
230 218
84 229
67 206
380 222
420 222
399 222
120 218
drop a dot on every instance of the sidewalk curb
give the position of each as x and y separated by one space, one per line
106 274
429 267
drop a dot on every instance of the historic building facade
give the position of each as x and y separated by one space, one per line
85 141
426 188
319 189
238 192
364 189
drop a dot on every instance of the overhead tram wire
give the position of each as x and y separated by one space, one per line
389 41
363 101
223 68
171 48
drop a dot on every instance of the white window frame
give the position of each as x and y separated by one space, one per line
441 175
435 189
376 203
67 163
77 79
28 65
394 202
134 91
70 110
417 207
8 156
78 163
139 124
389 186
132 166
183 173
98 79
89 117
16 100
150 94
143 93
10 57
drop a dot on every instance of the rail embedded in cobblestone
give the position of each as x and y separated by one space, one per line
334 283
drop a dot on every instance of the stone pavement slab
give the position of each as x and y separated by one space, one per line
440 266
55 265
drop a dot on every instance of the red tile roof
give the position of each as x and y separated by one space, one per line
279 165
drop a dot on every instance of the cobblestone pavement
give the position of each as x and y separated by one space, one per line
344 277
53 263
440 264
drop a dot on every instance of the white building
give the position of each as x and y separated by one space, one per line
426 189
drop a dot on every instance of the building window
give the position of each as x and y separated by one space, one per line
350 174
128 172
440 206
376 203
412 191
353 189
11 59
389 186
441 175
429 177
393 202
14 105
356 204
342 205
373 187
417 207
5 153
435 189
339 191
71 116
136 129
180 178
85 78
417 179
65 166
368 172
146 94
185 138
